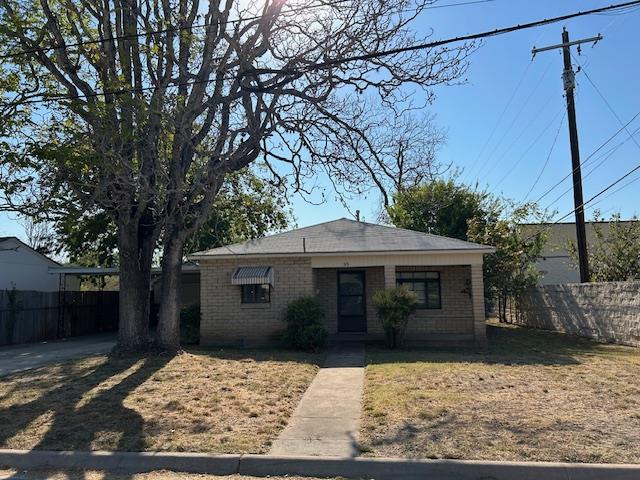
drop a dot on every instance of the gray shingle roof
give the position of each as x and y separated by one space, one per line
344 236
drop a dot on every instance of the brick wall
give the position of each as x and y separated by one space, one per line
454 319
456 315
227 321
608 312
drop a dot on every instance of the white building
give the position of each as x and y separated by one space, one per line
23 268
556 264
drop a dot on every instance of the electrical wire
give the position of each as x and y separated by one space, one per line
604 99
206 25
501 116
546 162
368 56
439 43
604 190
584 162
604 158
488 160
528 149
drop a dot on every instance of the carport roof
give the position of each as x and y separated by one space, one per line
344 236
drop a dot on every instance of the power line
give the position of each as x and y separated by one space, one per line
601 192
586 160
515 141
528 149
604 190
206 25
604 158
546 162
604 99
439 43
622 187
489 158
372 55
501 116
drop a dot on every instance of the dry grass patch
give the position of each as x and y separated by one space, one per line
100 475
206 401
532 396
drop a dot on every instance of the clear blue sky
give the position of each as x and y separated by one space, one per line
514 156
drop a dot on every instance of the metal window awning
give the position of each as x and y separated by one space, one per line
252 276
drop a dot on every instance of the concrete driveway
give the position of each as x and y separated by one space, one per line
32 355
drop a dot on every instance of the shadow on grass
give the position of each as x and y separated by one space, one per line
76 411
509 345
260 354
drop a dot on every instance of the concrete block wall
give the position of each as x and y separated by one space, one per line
227 321
607 312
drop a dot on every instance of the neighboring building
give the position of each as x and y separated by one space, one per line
23 268
245 288
556 264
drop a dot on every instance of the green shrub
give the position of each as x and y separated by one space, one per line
305 330
190 325
394 306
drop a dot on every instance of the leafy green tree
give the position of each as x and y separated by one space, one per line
511 269
614 255
148 107
246 207
440 207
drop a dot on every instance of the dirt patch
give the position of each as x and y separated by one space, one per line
531 396
204 401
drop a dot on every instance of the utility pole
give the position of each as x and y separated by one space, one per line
568 78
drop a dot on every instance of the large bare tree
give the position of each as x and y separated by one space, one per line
150 104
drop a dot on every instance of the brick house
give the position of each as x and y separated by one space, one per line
245 288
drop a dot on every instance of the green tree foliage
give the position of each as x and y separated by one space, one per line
511 269
155 112
394 306
246 207
440 207
614 255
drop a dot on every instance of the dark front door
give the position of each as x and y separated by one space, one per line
351 302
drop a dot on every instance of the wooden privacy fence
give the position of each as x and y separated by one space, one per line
29 316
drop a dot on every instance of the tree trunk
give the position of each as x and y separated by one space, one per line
136 254
169 317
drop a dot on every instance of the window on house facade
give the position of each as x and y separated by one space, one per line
255 283
426 286
256 293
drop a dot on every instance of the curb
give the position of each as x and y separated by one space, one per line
121 462
267 465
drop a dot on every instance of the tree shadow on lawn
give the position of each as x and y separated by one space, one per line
508 345
423 440
261 354
76 422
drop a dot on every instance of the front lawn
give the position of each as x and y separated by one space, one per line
531 396
205 401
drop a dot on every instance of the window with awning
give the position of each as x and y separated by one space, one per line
252 276
255 283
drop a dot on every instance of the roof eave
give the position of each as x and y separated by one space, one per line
207 256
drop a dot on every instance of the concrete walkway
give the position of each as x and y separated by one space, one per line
18 358
327 419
